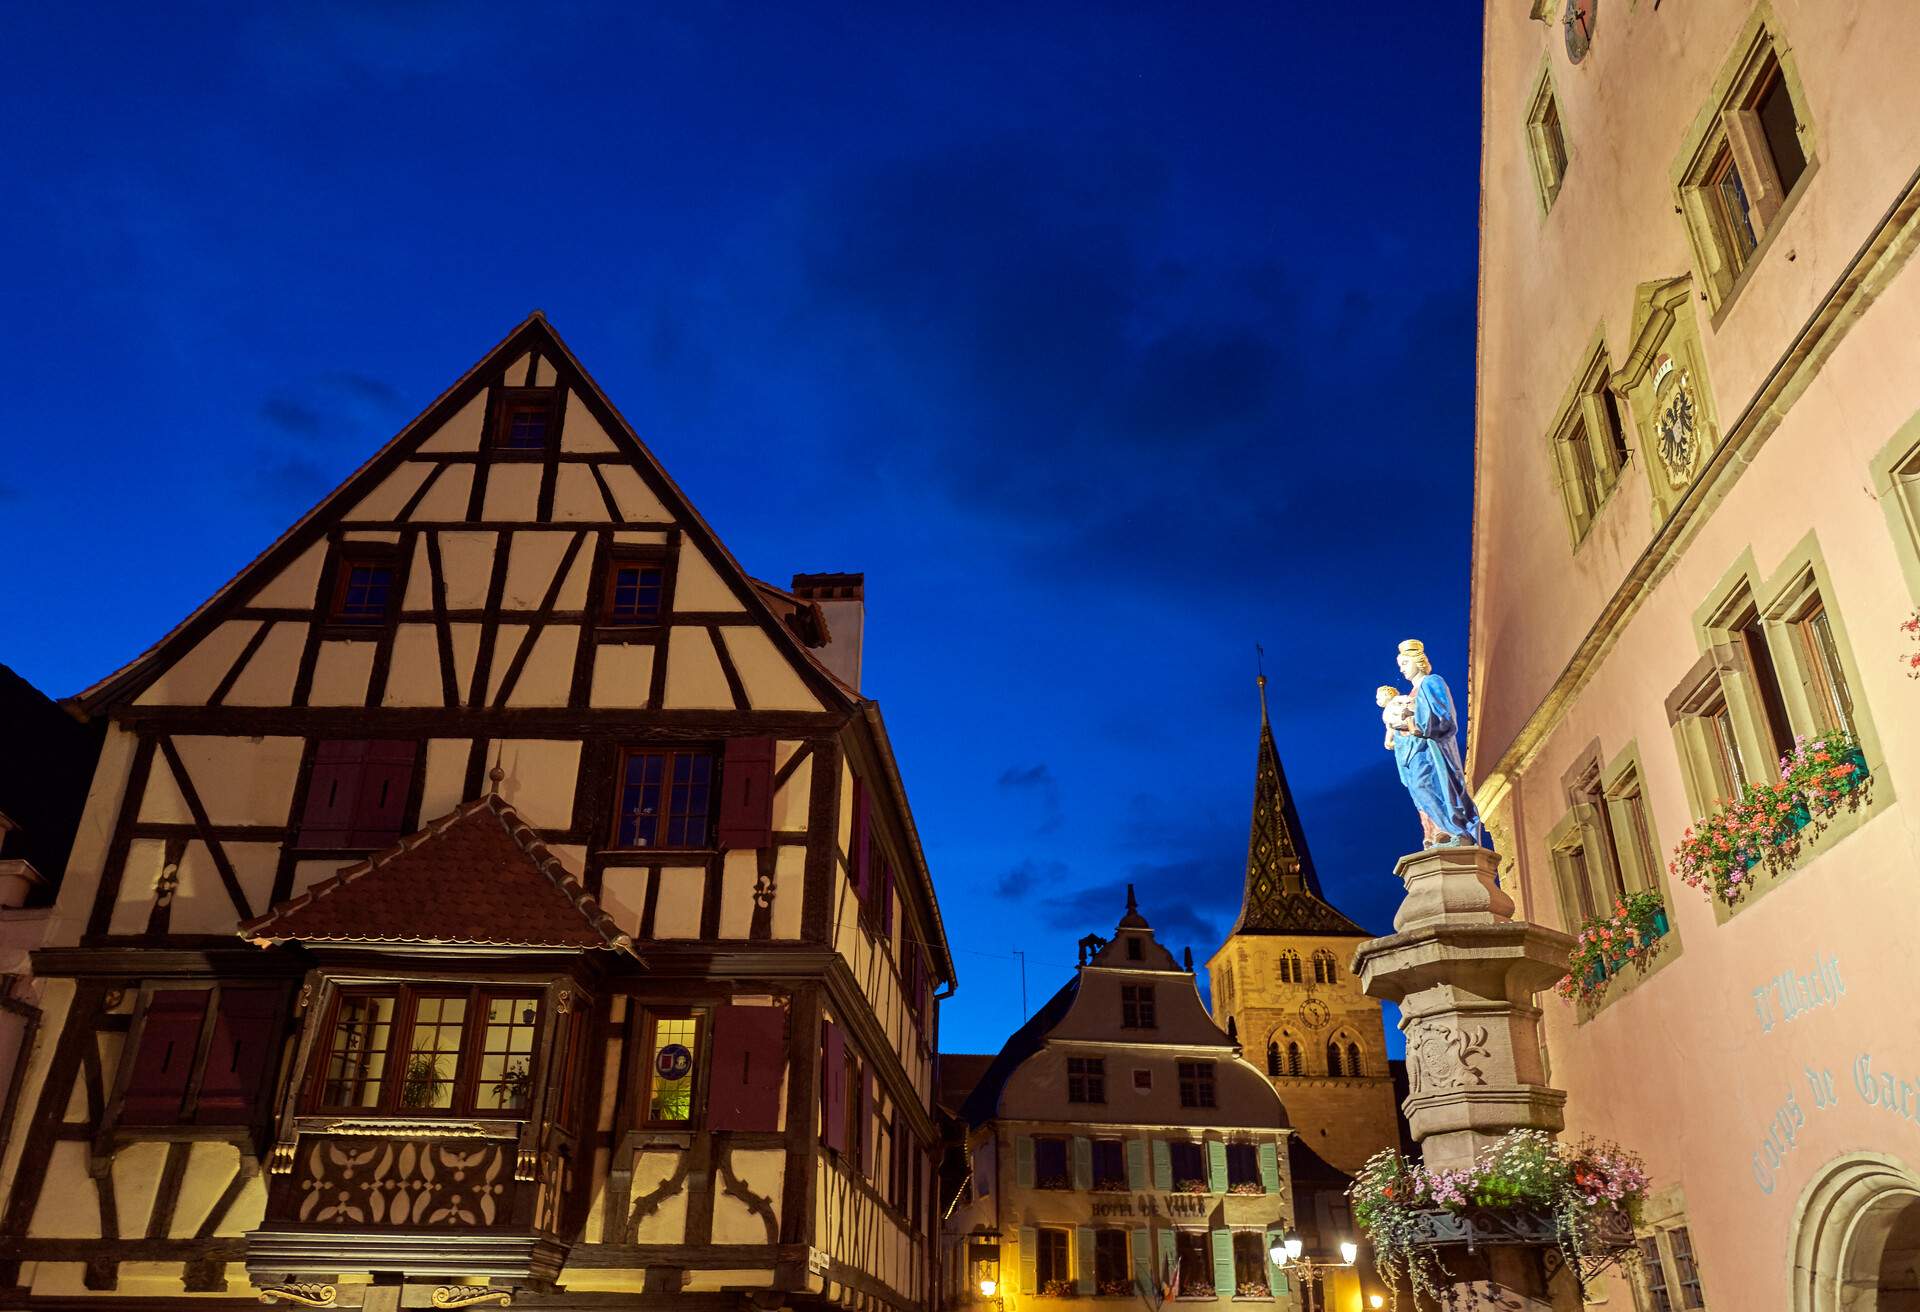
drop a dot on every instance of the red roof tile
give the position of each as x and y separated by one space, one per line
477 877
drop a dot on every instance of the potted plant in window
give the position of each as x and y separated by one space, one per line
1190 1186
514 1085
423 1083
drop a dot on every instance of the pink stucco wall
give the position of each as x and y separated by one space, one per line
1732 1107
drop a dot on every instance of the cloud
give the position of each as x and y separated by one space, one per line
376 391
1182 900
1038 783
1028 875
291 416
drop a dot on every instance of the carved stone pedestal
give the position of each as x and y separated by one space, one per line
1464 973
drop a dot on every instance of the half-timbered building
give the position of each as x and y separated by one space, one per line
491 894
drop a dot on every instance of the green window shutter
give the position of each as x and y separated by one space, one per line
1169 1258
1223 1283
1275 1275
1083 1260
1029 1260
1270 1168
1162 1166
1143 1281
1217 1165
1136 1163
1023 1161
1082 1162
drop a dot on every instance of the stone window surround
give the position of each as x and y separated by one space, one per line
1617 781
1548 173
1722 119
1777 598
1583 404
1895 471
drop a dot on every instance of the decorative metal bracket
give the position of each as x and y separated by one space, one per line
280 1159
301 1294
458 1296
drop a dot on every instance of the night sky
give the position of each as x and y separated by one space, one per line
1107 341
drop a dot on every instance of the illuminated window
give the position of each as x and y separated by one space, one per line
672 1051
466 1052
665 799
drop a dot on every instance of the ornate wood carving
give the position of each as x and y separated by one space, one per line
460 1184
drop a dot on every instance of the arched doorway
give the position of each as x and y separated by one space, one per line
1856 1243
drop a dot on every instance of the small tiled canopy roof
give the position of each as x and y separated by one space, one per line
478 877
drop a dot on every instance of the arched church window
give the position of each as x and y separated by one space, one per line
1273 1059
1353 1059
1333 1058
1290 972
1296 1064
1325 968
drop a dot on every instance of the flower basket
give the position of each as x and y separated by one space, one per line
1247 1187
1252 1289
1115 1288
1190 1186
1195 1289
1057 1289
1770 821
1526 1189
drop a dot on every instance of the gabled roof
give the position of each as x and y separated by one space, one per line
983 1104
533 333
477 877
1282 893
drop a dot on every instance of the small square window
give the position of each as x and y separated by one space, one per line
1196 1084
524 420
635 591
363 587
1136 1007
1086 1079
1143 1079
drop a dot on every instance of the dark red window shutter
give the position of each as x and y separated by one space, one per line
886 896
862 841
833 1087
746 793
386 776
331 789
168 1038
867 1132
749 1055
241 1056
900 1150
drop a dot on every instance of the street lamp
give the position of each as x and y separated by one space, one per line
988 1288
1287 1255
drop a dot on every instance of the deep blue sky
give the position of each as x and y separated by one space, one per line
1108 341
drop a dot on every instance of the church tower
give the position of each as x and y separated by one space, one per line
1281 984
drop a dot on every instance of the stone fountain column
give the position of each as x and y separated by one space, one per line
1464 973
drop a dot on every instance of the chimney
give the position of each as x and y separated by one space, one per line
842 602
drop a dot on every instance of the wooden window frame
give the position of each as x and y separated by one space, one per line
1105 1237
1253 1267
1247 1153
511 401
1119 1155
670 751
1087 1085
1199 1160
643 1072
661 556
1593 440
1046 1238
1730 142
406 998
1137 1007
1065 1176
1198 1084
348 556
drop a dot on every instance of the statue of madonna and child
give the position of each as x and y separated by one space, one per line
1423 733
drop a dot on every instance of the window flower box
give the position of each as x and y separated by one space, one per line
1052 1182
1246 1187
1526 1188
1190 1186
1195 1289
1769 822
1110 1187
1057 1289
1115 1288
1252 1289
1606 946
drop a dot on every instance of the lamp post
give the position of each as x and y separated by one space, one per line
1287 1256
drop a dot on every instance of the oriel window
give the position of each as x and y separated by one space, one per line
458 1051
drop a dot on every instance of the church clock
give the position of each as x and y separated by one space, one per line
1314 1014
1578 22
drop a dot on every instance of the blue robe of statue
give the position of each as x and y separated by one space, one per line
1432 769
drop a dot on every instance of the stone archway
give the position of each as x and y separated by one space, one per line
1856 1238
